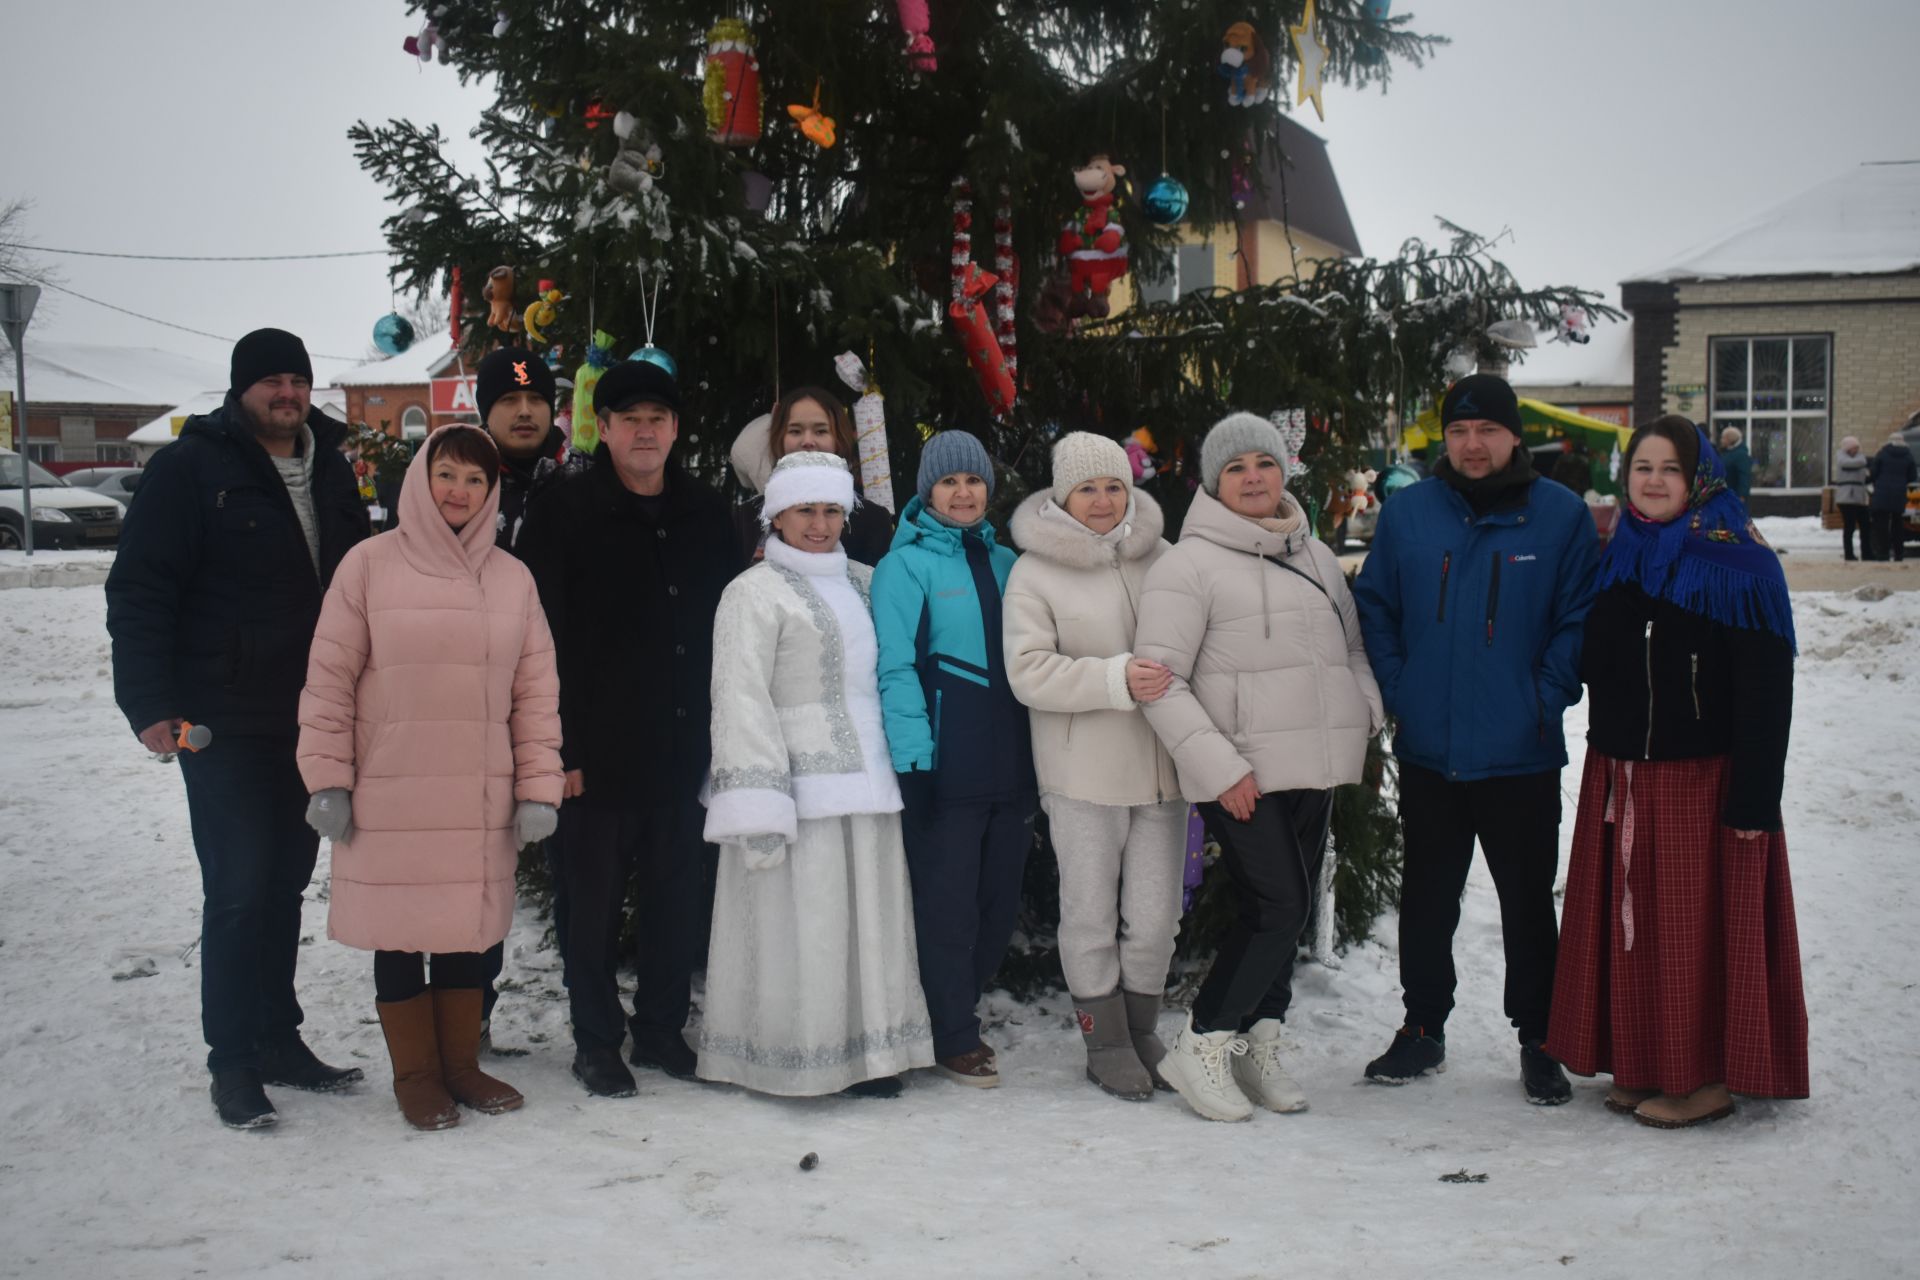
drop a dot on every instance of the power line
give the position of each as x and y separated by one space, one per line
178 257
60 288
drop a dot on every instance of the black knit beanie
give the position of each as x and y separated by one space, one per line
264 353
1481 396
510 369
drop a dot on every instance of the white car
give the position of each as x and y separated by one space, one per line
64 518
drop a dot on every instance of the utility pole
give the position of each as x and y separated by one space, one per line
16 309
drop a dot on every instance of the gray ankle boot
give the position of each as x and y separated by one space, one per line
1143 1019
1112 1062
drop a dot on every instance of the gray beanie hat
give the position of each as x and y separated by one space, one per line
1233 435
953 453
1080 456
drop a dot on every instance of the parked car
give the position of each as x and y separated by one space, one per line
117 483
64 518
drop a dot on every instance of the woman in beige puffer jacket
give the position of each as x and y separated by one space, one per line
430 739
1270 707
1112 800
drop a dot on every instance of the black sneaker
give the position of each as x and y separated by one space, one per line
601 1070
293 1065
1545 1082
664 1051
240 1100
884 1087
1412 1054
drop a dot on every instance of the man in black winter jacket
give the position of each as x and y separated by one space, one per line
514 391
228 546
631 558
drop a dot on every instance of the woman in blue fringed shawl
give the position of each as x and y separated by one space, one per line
1679 965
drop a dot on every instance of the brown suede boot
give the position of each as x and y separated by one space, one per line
412 1045
456 1022
1708 1102
1623 1102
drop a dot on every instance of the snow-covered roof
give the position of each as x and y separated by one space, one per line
1605 361
1866 221
329 400
92 373
413 367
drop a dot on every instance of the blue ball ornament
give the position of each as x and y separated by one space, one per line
1166 201
654 355
392 333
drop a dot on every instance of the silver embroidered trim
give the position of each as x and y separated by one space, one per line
765 843
844 757
818 1057
754 777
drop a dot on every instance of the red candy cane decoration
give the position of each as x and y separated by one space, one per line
962 235
1004 292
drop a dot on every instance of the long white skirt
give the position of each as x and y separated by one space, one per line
812 979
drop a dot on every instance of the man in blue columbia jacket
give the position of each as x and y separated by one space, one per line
1471 601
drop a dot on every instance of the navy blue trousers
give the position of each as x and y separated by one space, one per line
966 861
248 809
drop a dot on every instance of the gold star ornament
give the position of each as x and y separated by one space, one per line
1313 59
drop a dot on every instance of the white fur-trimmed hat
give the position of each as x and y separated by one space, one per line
1081 456
807 476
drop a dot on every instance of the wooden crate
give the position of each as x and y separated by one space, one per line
1829 513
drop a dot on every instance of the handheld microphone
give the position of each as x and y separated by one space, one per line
194 737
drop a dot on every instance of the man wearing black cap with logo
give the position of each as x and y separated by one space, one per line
229 544
1471 602
631 559
514 391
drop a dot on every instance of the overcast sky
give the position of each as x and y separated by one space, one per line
1606 137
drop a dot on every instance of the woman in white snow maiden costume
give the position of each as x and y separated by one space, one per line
1108 786
812 984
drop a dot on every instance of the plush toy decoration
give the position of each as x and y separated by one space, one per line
498 292
502 20
422 46
915 22
635 166
731 93
1572 327
975 332
1246 66
1140 450
1093 242
817 126
542 311
1353 496
586 427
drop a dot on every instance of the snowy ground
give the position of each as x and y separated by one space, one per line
111 1162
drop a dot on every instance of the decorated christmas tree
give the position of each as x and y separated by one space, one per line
749 190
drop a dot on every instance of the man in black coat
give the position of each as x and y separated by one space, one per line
631 558
514 391
228 546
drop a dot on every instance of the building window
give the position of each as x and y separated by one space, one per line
114 453
43 450
413 423
1192 271
1777 392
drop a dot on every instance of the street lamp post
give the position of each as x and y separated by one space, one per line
16 309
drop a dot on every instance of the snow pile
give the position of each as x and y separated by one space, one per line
114 1164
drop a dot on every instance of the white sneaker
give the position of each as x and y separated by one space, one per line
1259 1073
1198 1067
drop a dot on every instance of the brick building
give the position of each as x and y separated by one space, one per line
84 399
410 394
1800 327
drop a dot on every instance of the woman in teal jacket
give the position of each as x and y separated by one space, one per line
959 741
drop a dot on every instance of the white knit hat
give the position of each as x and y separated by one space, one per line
1080 456
807 476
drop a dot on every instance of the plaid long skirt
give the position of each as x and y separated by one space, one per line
1679 959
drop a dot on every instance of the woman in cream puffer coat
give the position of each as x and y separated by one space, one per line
1270 707
1107 785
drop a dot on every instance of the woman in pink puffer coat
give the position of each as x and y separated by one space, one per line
430 739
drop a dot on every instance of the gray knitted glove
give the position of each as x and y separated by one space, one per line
330 812
533 822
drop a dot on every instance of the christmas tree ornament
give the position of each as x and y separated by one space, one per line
1246 66
456 300
1572 326
1293 432
501 22
1513 335
1313 54
915 21
392 333
731 92
962 256
542 311
816 125
586 427
1008 288
635 166
1165 203
1368 53
597 113
498 292
970 325
649 315
654 355
624 123
870 430
429 40
1093 242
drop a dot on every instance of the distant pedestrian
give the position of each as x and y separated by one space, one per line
231 540
1851 468
1891 471
1736 461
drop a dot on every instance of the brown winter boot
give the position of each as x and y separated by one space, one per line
1708 1102
1623 1102
1143 1021
456 1022
411 1044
